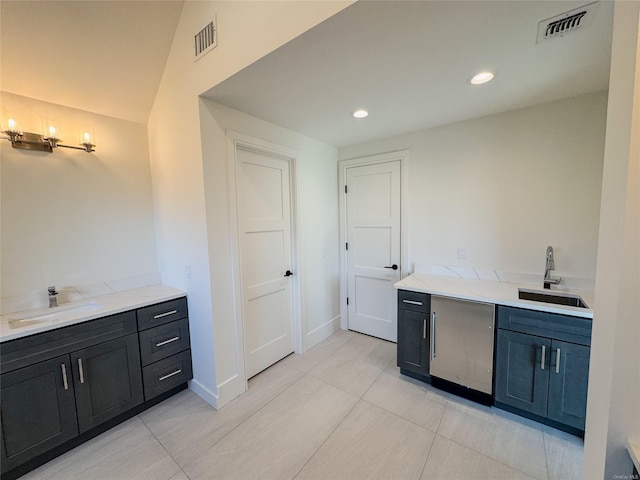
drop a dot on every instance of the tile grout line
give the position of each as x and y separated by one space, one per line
163 447
245 420
487 456
327 438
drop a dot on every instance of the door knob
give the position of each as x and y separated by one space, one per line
288 273
393 267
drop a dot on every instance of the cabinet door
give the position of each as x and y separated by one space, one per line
413 341
568 382
522 371
107 379
38 410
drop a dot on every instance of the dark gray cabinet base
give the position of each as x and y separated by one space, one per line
62 387
542 367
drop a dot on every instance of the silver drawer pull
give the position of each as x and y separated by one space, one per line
412 302
557 360
64 377
81 370
170 375
160 315
542 358
171 340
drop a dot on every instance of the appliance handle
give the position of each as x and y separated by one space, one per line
543 357
434 317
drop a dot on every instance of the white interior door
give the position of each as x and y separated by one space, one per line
264 224
373 238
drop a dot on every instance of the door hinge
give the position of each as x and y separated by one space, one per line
345 189
346 246
347 300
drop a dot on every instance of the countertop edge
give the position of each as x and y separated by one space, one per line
463 292
111 304
634 451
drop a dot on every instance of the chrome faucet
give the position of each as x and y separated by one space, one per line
550 265
53 297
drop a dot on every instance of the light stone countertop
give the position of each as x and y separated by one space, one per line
489 291
70 313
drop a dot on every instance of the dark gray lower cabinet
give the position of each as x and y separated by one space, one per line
413 333
107 380
538 373
568 382
38 410
413 341
521 380
58 386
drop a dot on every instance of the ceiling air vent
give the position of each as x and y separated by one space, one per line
206 39
565 23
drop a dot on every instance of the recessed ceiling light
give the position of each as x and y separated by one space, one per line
482 77
360 113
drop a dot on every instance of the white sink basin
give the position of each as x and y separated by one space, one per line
51 314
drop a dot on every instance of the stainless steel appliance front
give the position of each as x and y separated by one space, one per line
462 342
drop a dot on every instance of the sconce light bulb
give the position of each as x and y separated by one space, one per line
52 131
12 124
87 137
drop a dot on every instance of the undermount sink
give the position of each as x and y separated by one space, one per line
52 314
559 298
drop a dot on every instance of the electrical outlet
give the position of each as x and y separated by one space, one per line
462 253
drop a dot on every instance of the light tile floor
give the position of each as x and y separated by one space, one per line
340 411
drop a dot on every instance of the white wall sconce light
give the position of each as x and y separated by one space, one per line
42 143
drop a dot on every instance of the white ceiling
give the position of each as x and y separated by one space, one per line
408 63
102 56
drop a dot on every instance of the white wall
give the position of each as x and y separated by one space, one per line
317 192
506 186
613 407
247 31
71 218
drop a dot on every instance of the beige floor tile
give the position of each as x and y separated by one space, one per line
450 460
128 451
565 453
187 426
518 444
411 399
357 364
310 359
278 440
371 443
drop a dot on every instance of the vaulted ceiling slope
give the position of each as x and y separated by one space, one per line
408 63
101 56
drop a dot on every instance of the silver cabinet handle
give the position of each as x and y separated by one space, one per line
160 315
424 328
412 302
542 359
170 375
171 340
434 317
557 360
64 377
81 370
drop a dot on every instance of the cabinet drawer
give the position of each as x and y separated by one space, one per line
43 346
416 301
543 324
166 374
161 313
164 340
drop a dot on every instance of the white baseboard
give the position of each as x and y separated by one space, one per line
227 391
204 393
320 333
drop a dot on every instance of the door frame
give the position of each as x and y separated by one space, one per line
237 140
343 165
